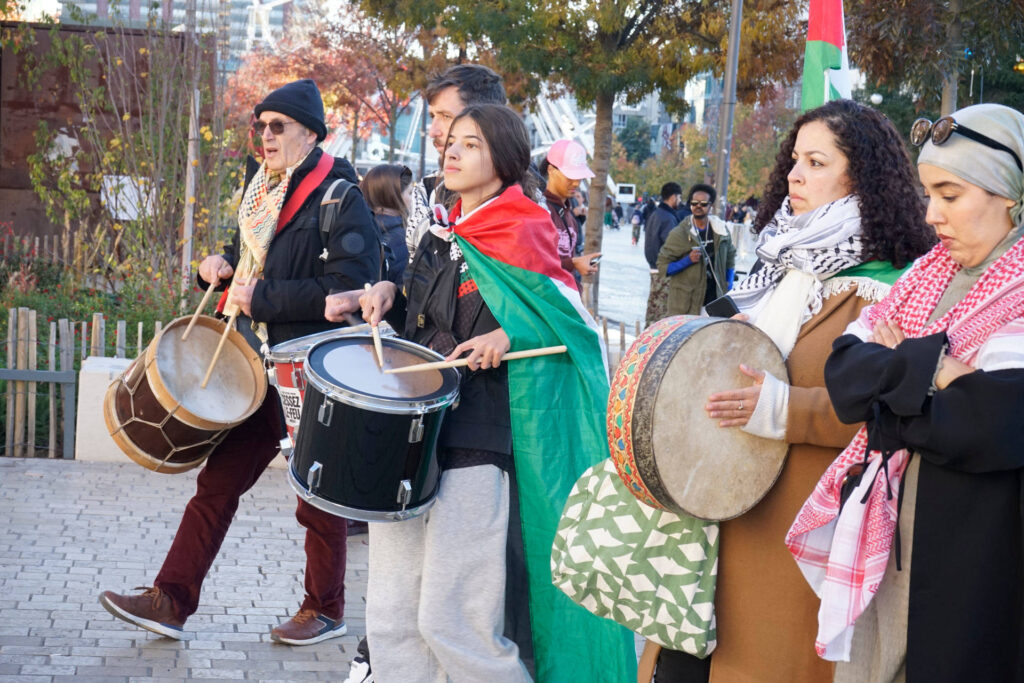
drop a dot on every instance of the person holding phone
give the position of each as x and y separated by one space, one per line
698 257
564 166
840 220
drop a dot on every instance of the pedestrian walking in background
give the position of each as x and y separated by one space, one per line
659 224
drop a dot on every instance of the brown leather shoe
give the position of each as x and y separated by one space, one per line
308 627
153 611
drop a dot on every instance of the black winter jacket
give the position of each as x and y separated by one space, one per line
481 419
659 224
291 295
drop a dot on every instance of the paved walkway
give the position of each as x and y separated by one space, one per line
69 530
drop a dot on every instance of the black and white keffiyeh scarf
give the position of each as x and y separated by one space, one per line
799 253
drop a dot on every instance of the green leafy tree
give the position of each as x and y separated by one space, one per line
636 139
929 46
601 49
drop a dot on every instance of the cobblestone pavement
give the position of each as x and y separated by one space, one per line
70 530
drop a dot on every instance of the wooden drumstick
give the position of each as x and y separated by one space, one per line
195 316
223 338
220 346
461 362
376 337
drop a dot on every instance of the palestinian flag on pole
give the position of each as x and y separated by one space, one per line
826 65
558 406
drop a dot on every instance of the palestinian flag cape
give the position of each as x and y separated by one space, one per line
826 65
558 405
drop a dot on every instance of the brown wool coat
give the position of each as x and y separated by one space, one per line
767 614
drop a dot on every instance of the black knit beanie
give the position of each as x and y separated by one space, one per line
300 100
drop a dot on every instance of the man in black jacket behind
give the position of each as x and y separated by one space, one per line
285 274
656 229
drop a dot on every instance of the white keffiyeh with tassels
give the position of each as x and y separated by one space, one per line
799 253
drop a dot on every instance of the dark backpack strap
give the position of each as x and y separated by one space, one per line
329 208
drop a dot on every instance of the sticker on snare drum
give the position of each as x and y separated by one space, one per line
291 402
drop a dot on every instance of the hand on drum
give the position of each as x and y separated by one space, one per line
377 301
734 408
340 305
215 268
240 294
887 333
485 350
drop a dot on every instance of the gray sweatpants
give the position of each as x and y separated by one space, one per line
436 588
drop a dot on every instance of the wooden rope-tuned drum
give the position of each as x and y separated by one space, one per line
158 414
667 450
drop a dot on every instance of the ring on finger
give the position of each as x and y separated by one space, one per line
741 406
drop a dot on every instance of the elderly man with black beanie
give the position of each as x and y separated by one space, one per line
280 269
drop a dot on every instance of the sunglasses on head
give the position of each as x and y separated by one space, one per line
276 127
700 204
941 130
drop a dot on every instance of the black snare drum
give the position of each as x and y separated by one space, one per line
366 446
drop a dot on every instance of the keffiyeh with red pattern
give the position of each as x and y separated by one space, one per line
843 550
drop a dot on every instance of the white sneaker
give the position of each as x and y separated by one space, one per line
359 671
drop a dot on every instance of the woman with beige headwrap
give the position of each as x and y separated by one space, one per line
914 538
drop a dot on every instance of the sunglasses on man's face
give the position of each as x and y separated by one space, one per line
276 127
700 204
941 130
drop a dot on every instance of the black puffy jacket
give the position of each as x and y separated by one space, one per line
291 295
481 419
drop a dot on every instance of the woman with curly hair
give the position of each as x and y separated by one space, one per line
840 220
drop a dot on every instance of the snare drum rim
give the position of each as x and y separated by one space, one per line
437 401
297 350
358 514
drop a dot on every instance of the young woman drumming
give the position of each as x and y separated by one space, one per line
485 281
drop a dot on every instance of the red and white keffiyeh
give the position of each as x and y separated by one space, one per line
843 555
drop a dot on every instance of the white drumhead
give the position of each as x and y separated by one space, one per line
713 472
228 396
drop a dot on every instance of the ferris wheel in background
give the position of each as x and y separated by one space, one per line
258 28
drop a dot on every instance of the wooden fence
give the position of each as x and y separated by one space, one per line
39 375
52 248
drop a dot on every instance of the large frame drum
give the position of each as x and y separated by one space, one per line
667 450
157 412
288 358
366 444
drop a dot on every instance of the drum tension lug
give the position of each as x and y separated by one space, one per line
286 447
416 430
404 493
325 413
298 381
313 477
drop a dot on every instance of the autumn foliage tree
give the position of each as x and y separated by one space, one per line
601 49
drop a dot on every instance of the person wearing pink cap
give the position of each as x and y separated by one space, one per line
564 167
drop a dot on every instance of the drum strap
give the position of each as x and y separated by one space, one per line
294 203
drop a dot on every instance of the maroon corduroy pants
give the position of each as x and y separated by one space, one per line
231 470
